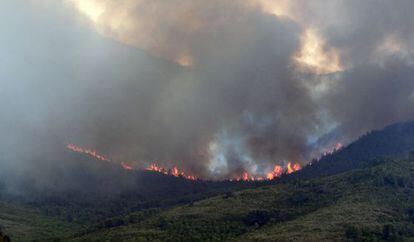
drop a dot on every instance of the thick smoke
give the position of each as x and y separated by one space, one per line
213 86
375 40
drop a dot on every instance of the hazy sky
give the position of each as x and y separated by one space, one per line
216 86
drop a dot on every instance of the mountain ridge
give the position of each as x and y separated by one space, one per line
371 171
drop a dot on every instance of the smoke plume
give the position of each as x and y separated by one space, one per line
216 87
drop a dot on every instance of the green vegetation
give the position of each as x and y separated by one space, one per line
22 223
374 203
394 141
351 195
53 215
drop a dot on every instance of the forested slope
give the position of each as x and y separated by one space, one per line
375 202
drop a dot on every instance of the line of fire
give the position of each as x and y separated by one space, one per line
277 171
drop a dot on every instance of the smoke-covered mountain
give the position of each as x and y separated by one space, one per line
394 141
102 198
219 87
84 190
93 92
91 191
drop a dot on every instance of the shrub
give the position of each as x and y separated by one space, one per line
162 223
228 195
113 223
353 233
389 233
257 217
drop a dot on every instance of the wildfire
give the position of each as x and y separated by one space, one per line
89 152
175 171
155 167
334 149
338 146
126 166
275 173
293 167
96 155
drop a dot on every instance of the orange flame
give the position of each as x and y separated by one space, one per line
89 152
270 176
245 176
293 167
96 155
336 147
126 166
155 167
173 171
277 171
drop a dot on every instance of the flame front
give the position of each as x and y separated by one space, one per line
293 167
277 171
175 171
89 152
155 167
274 174
334 149
96 155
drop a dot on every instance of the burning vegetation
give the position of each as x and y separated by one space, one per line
334 149
274 174
174 171
277 171
89 152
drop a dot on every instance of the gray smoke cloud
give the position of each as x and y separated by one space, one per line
238 101
375 40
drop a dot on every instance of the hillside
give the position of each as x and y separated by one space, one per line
23 223
395 141
356 192
85 192
375 202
